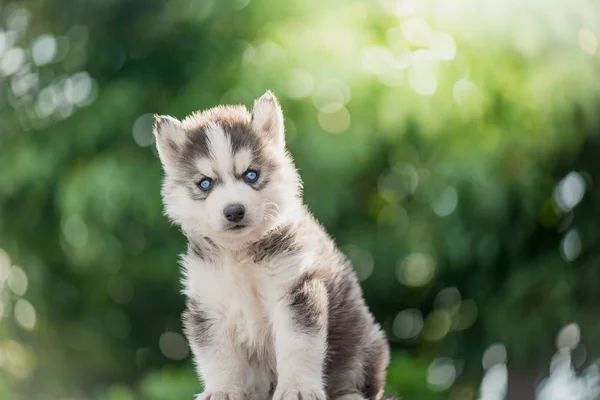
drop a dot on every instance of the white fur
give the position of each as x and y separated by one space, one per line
300 357
241 162
171 128
205 218
220 149
248 299
205 167
267 119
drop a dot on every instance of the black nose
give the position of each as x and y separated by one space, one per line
234 212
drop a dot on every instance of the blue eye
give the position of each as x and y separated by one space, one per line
205 184
251 176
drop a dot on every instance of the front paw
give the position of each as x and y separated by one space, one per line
219 396
299 394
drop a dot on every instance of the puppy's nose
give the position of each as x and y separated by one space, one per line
234 212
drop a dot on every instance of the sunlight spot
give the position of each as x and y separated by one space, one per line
43 49
3 42
404 8
416 31
494 384
495 354
561 360
416 270
25 314
78 88
267 52
442 45
464 92
392 215
588 41
408 324
570 246
465 316
445 203
23 83
47 102
17 281
407 175
569 191
334 120
62 48
12 61
240 4
173 346
568 338
398 183
436 326
447 298
361 259
298 84
75 231
441 374
4 266
422 81
142 130
377 60
15 357
18 20
330 94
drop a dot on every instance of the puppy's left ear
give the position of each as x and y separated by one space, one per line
267 119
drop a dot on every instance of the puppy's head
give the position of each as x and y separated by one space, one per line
227 173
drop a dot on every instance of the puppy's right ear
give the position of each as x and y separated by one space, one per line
170 139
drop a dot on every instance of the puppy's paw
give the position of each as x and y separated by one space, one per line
219 396
299 394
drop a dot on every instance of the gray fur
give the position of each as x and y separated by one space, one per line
308 303
197 324
353 341
202 248
278 242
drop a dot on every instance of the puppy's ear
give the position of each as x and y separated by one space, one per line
170 138
267 119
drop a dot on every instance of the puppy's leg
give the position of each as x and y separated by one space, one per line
219 362
300 326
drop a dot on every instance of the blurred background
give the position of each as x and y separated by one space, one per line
450 147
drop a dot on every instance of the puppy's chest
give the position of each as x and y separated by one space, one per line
242 296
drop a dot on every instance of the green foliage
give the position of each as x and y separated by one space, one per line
449 147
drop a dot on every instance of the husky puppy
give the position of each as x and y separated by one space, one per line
274 310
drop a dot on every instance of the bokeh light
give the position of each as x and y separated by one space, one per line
441 374
17 281
408 324
44 50
416 270
25 314
173 345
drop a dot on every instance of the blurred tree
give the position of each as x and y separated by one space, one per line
449 147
